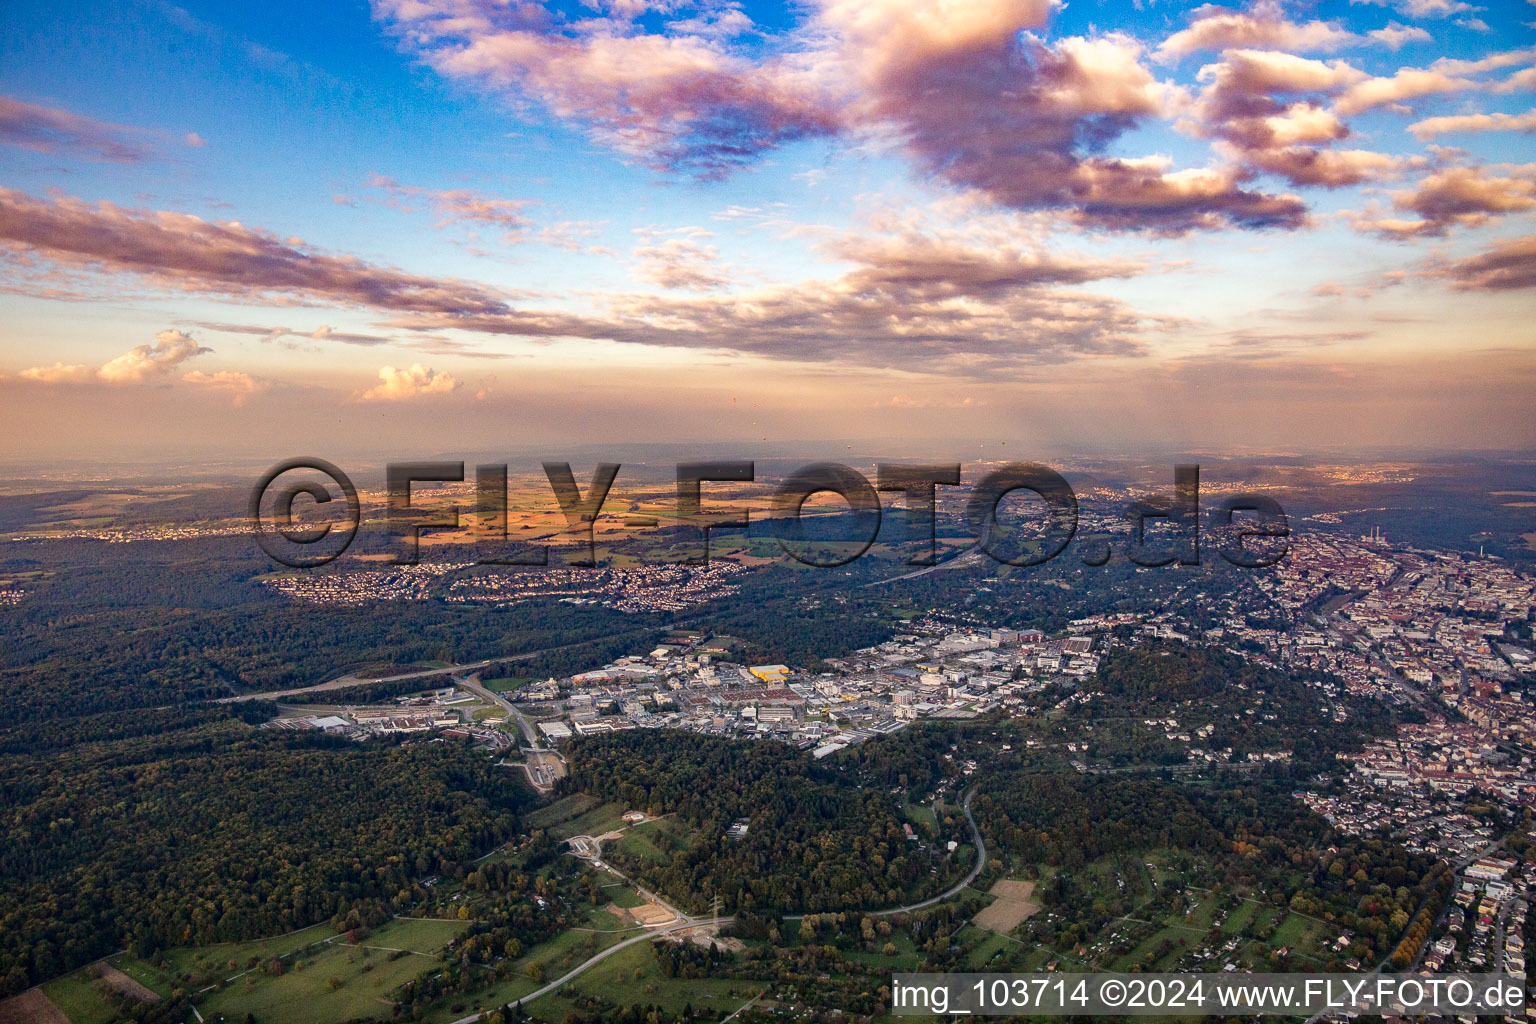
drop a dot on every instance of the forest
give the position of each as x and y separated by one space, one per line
814 842
218 832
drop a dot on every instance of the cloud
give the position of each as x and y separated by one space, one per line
1465 196
417 381
1492 62
458 206
680 263
184 252
1520 81
678 99
138 365
1406 84
1326 168
973 302
1504 266
194 140
46 130
1244 82
147 362
1424 8
970 95
1432 126
322 333
60 373
239 385
1240 106
1261 27
1394 36
1038 148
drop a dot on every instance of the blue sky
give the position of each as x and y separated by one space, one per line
1190 224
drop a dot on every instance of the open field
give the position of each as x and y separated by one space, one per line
31 1007
419 935
561 810
652 916
1012 907
340 983
989 946
918 813
212 962
1241 917
80 995
600 819
623 896
505 684
656 840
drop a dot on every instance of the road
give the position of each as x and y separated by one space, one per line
352 680
696 922
472 684
953 891
543 767
592 961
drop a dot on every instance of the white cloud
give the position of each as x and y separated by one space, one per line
1424 8
59 373
415 382
1395 35
171 349
146 362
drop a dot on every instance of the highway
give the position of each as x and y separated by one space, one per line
427 673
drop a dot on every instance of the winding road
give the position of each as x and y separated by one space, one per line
695 922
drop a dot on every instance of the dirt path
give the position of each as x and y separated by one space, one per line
125 985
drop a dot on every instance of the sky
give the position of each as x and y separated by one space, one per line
428 225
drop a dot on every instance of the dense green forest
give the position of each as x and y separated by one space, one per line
1251 708
218 832
813 843
117 626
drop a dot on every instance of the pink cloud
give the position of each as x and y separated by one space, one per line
463 205
680 263
1432 126
964 90
1263 26
182 251
1240 106
1326 168
1504 266
46 130
1465 196
1394 36
1406 84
